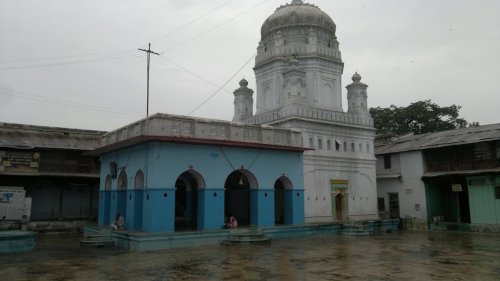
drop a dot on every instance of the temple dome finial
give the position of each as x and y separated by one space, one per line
356 77
297 2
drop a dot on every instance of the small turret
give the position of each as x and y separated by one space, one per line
243 102
356 96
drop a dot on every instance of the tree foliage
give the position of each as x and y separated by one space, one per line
419 118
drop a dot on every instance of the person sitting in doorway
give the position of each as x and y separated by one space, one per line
119 223
232 222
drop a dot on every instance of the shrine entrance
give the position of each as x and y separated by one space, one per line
237 196
186 200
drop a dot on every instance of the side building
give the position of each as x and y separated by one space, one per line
444 180
52 167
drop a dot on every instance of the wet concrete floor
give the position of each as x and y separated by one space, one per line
403 256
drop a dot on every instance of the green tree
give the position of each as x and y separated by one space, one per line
419 118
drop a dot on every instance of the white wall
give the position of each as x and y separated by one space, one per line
409 185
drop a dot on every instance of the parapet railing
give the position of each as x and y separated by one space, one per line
187 127
320 114
460 165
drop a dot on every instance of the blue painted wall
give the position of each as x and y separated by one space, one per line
163 163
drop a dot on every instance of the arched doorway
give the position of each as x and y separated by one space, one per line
237 195
339 207
186 200
279 199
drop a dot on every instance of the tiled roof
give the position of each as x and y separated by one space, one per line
21 136
440 139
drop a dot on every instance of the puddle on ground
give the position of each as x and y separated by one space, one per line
387 257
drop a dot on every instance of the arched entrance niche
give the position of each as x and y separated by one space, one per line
237 195
138 199
186 200
122 185
340 207
280 201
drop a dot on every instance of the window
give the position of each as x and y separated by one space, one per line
311 143
139 180
360 148
497 192
337 145
122 180
107 183
387 161
367 148
345 146
320 144
352 146
328 145
381 204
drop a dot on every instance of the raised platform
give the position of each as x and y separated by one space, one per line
17 241
251 236
141 241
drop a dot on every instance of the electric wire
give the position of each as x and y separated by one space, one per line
61 102
192 73
117 52
192 21
107 58
216 26
114 55
65 57
221 87
200 77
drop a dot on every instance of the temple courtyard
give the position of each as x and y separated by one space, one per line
400 256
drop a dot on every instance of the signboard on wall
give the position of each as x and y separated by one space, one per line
456 187
19 161
12 202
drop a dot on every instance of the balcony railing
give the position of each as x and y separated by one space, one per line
460 165
70 168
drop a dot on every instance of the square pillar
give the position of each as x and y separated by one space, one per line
113 206
121 197
210 209
294 206
159 210
262 207
130 210
104 206
138 209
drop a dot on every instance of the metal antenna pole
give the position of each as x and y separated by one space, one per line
149 52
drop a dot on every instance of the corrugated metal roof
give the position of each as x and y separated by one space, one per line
441 139
28 136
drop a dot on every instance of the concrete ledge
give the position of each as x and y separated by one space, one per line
142 241
17 241
486 228
70 226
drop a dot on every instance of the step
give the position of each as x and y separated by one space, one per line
97 243
237 236
93 237
356 233
248 238
264 240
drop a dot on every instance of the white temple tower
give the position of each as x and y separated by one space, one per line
243 102
298 72
357 97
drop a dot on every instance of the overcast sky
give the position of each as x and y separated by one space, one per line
74 63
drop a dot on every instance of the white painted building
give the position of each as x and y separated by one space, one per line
449 176
299 70
401 191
